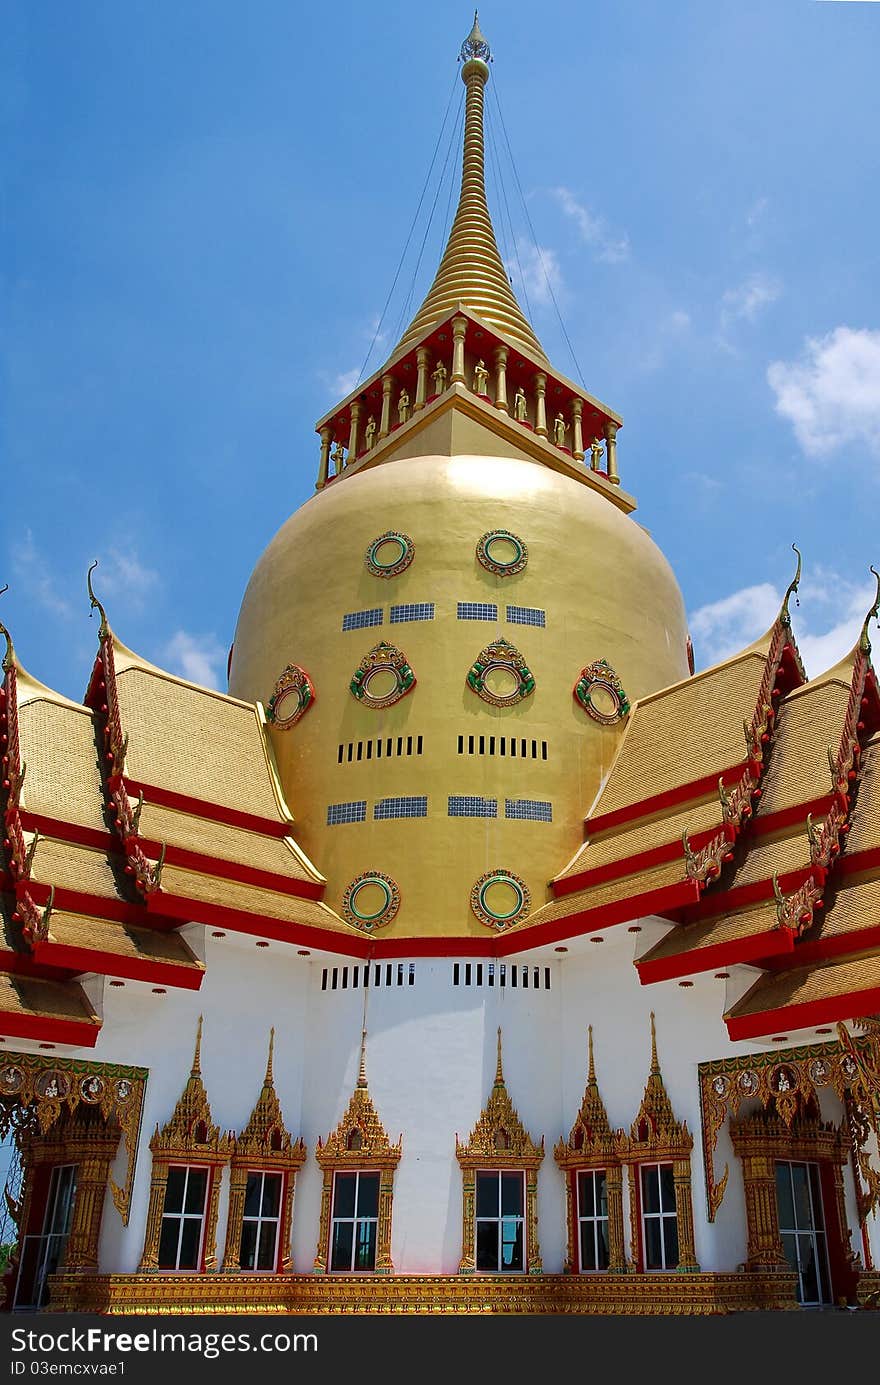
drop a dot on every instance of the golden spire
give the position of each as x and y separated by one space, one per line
362 1070
269 1079
196 1069
591 1075
471 271
499 1071
655 1062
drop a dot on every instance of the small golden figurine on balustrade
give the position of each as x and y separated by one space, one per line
338 457
481 378
520 407
370 433
403 409
438 375
560 428
596 455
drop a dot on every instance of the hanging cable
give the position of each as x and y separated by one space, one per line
495 171
534 237
490 125
449 149
411 230
458 141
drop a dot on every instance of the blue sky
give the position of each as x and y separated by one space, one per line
203 210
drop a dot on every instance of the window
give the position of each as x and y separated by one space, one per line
528 809
592 1214
406 806
354 1221
261 1222
659 1217
183 1218
525 615
359 620
472 806
500 1229
802 1228
477 610
346 812
414 610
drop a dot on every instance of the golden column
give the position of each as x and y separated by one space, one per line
541 404
385 420
687 1253
762 1215
94 1157
577 430
459 328
616 1246
423 357
501 379
324 464
611 450
354 430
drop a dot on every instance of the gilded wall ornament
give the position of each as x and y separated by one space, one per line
292 696
600 692
371 900
502 553
499 899
500 675
390 554
382 677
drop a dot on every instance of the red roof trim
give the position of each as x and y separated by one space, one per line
261 926
820 949
80 959
696 788
82 1033
604 916
200 807
232 870
805 1016
751 950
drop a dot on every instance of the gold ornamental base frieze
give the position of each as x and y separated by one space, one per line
653 1294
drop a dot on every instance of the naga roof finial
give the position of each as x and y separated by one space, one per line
864 641
196 1070
362 1070
104 628
9 656
591 1075
499 1071
792 588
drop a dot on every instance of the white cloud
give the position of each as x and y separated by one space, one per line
756 211
122 574
538 268
593 229
198 658
831 396
32 569
749 299
344 383
826 622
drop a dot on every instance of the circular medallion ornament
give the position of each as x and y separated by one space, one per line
53 1085
499 899
371 900
600 693
784 1079
11 1080
849 1070
91 1089
501 552
123 1090
291 698
389 554
748 1083
721 1085
382 677
820 1072
500 675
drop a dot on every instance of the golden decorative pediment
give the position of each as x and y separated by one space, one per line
499 1135
655 1131
191 1132
591 1138
265 1141
360 1137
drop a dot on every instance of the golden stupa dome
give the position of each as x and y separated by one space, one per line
448 636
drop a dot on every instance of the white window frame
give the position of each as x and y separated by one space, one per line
662 1217
354 1219
182 1216
590 1218
259 1221
519 1217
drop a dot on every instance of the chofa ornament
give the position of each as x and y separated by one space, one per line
391 553
500 675
382 677
502 553
371 900
600 692
499 899
292 696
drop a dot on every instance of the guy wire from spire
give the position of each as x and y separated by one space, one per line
535 239
504 206
451 145
410 234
